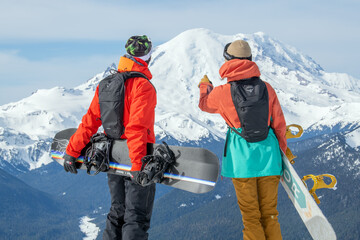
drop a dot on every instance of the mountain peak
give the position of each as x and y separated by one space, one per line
308 95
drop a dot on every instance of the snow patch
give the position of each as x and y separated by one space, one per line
353 138
90 229
182 205
43 160
96 211
185 205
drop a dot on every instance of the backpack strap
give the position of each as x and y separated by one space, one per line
133 74
112 100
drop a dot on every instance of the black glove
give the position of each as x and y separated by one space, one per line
134 175
69 164
137 177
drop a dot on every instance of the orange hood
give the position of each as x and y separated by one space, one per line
136 64
237 69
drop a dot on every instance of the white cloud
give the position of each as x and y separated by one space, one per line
326 31
20 77
80 19
109 20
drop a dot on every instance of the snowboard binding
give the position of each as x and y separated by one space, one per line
319 183
291 133
154 166
98 155
318 180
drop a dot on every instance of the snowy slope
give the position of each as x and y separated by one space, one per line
353 138
309 95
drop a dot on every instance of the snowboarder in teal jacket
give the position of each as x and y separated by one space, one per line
255 138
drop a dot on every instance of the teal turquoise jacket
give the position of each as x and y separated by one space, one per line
243 159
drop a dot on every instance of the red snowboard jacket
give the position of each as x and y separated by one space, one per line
139 115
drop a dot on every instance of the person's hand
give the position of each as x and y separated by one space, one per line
69 164
135 177
140 178
205 79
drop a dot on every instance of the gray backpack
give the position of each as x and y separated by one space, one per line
251 100
112 99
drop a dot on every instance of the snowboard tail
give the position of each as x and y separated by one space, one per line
310 213
196 169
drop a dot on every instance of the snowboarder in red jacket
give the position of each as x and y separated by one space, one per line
131 203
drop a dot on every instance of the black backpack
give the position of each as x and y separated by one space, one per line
251 100
111 101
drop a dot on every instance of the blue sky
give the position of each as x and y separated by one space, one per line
47 43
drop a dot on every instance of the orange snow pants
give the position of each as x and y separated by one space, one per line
257 199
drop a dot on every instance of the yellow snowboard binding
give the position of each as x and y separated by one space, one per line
319 183
290 134
318 180
290 131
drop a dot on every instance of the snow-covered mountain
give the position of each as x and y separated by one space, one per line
317 100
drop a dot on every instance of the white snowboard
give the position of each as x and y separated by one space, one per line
312 216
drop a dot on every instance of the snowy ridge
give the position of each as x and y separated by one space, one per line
18 146
309 96
353 139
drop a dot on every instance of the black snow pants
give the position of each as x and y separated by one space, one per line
131 209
